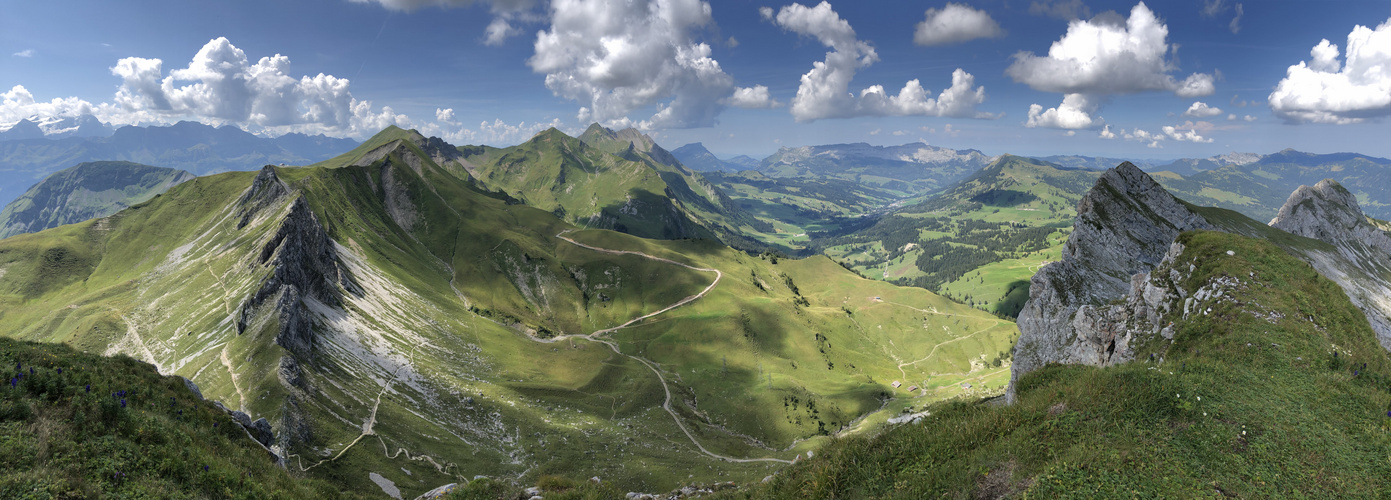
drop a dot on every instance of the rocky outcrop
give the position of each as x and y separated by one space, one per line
1092 306
1124 227
1362 264
1329 213
304 266
266 189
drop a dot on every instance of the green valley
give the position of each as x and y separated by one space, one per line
391 315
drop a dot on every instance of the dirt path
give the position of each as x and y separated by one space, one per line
666 404
235 384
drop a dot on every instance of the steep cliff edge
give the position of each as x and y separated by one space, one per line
303 266
1362 262
1096 304
1124 226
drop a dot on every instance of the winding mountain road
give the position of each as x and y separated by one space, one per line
595 337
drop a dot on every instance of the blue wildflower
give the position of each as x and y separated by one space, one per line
31 370
123 403
89 387
205 468
60 371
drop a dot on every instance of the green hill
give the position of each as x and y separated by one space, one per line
978 241
88 190
75 425
400 325
1240 404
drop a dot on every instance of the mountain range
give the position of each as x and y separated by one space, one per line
86 191
386 301
411 313
194 147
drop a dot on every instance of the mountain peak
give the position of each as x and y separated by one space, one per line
22 129
1330 213
1124 227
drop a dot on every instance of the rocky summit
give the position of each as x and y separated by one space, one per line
1124 226
1104 296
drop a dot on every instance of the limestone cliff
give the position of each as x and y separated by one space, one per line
1125 225
1106 293
1361 262
303 266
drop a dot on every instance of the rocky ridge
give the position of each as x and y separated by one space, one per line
1124 226
1117 280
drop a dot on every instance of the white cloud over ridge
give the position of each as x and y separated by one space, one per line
619 57
221 85
1104 56
955 23
1326 89
824 90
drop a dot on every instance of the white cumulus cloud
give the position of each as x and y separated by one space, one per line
1189 135
1327 89
955 23
619 57
221 85
1107 55
1101 57
755 97
1106 133
1200 109
824 91
18 103
1075 112
445 115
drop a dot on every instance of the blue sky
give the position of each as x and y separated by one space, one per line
726 73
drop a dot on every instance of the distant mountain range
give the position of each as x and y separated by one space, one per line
27 155
86 191
696 157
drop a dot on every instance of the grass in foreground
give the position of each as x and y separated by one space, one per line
76 425
1239 407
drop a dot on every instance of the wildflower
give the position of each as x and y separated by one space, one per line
31 370
60 371
89 387
123 403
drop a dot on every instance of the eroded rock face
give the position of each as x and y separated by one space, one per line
1362 266
304 266
1124 227
1329 213
1092 307
265 190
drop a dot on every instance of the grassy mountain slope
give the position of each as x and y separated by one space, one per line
76 425
86 191
978 241
587 186
705 202
470 335
1243 404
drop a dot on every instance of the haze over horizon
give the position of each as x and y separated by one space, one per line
1122 79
